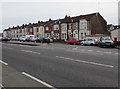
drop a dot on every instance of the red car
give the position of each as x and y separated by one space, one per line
73 41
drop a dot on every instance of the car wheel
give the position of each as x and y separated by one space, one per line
74 43
101 46
82 44
91 44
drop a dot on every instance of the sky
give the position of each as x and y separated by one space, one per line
14 13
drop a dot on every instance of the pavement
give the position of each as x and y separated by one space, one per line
61 65
13 78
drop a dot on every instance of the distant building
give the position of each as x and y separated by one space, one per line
115 33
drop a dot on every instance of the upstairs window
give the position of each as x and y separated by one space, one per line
83 24
56 27
64 26
47 28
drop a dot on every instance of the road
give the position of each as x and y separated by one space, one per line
62 65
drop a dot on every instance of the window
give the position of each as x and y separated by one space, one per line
41 29
30 30
85 35
63 35
74 35
56 27
56 35
64 26
47 28
83 24
81 35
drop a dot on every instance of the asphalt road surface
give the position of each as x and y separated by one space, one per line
61 65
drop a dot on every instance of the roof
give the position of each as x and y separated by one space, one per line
117 27
69 19
109 26
87 17
50 22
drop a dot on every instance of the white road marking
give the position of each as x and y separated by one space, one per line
82 50
116 53
108 52
75 48
7 47
25 45
30 51
38 80
35 52
93 63
3 62
11 44
98 51
90 50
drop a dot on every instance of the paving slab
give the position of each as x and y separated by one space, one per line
13 78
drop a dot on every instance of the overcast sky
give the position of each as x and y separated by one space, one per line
18 13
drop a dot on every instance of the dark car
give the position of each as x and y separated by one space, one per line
39 39
106 42
46 40
5 39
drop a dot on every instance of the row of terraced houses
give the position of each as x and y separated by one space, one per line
80 27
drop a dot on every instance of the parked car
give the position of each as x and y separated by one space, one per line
73 41
5 39
22 38
15 39
106 42
39 39
47 40
89 42
29 38
32 39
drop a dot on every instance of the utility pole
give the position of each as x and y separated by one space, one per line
78 29
67 30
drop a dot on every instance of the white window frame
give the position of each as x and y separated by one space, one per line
56 27
83 24
47 28
64 26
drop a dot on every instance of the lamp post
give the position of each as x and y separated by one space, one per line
78 29
67 29
60 30
72 27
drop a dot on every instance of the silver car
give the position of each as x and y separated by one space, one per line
89 42
22 38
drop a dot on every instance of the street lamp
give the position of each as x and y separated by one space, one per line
78 29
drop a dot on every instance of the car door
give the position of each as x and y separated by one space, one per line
85 42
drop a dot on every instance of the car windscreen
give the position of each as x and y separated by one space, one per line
89 39
106 38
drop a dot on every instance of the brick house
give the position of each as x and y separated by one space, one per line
78 27
115 33
38 29
83 26
87 25
48 28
